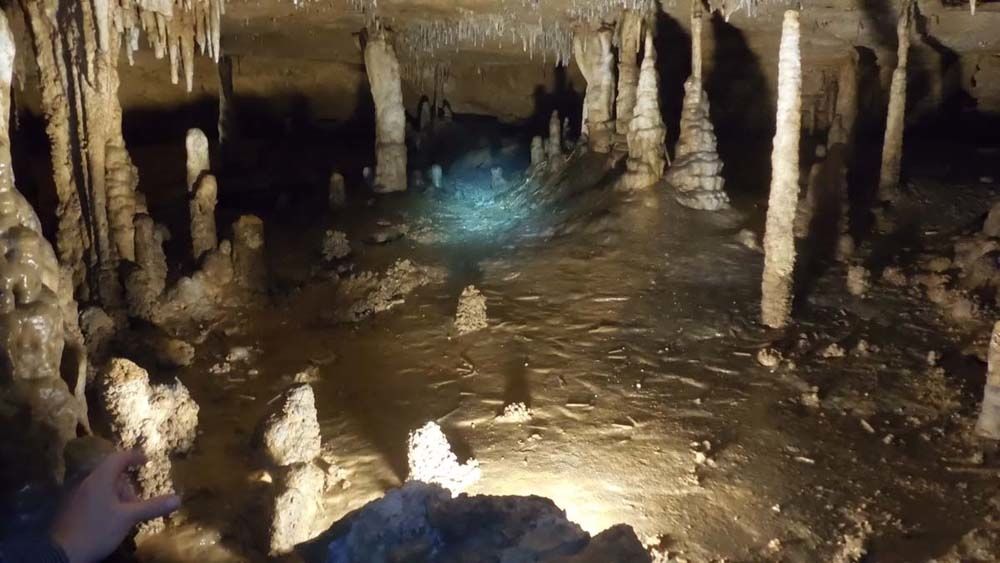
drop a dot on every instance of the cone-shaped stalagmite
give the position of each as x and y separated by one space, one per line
647 155
629 45
382 68
40 414
553 147
988 425
779 237
892 149
696 173
198 161
592 50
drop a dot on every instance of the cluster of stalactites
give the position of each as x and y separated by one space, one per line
174 28
550 40
601 10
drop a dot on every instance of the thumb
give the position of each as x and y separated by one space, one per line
153 508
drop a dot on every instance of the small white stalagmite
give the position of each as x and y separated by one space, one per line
647 155
382 68
988 425
198 162
592 49
553 147
892 149
779 236
537 151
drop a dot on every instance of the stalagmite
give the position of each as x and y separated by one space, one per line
696 172
988 425
537 151
779 237
203 233
592 50
147 280
431 460
892 149
337 195
437 176
198 163
123 178
290 432
382 68
629 45
249 259
646 152
553 147
41 414
846 108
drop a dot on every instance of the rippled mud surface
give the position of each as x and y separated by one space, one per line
629 327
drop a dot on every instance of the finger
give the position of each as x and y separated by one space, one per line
126 489
152 508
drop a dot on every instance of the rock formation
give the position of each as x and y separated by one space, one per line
471 313
779 236
988 424
198 162
431 460
337 195
892 149
123 180
249 257
421 522
203 232
553 147
537 152
296 507
592 51
696 171
335 246
147 280
41 413
162 419
437 176
290 434
629 44
647 155
382 68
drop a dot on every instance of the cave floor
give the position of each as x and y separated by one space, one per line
633 339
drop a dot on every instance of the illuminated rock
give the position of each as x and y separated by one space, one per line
779 236
537 151
553 147
892 148
122 180
593 55
431 460
196 145
988 424
290 434
296 507
437 176
629 45
471 313
647 155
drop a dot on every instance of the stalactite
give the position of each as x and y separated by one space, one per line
629 45
203 232
779 237
41 412
988 424
696 173
647 155
226 95
198 161
892 149
382 68
592 52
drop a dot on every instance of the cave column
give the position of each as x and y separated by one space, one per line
779 236
593 55
892 149
696 173
382 68
647 155
630 43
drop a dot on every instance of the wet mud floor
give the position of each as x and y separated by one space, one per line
630 330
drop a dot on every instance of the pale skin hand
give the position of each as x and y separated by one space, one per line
99 514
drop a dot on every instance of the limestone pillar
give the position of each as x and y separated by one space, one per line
198 161
696 173
203 232
647 154
382 69
592 51
892 148
779 236
629 45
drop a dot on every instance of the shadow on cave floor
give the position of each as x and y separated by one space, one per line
629 326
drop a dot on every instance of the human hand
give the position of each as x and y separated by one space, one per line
102 510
